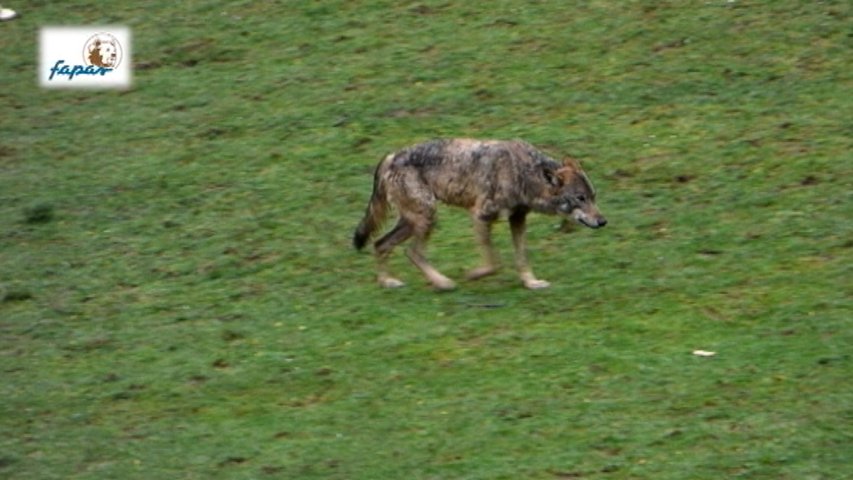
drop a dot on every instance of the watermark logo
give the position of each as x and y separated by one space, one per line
85 57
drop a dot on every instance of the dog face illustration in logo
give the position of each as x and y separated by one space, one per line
102 50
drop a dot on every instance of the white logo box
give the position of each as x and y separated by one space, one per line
97 56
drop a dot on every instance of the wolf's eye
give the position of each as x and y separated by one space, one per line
582 198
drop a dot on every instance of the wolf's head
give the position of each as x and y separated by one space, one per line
574 194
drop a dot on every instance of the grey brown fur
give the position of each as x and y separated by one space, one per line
487 177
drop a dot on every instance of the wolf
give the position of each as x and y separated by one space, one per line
486 177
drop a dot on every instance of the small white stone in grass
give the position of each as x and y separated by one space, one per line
703 353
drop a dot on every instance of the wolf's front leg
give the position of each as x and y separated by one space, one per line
517 224
483 231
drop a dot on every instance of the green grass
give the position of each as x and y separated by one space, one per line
179 297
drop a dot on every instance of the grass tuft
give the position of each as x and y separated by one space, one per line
39 213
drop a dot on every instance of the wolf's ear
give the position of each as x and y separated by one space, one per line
551 177
572 163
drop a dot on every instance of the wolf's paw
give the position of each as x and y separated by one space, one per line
481 272
443 284
390 282
535 284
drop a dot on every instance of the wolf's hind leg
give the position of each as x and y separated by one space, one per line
518 227
483 232
399 234
422 229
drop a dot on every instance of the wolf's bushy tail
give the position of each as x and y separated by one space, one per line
377 209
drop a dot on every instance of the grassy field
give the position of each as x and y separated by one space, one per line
179 298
